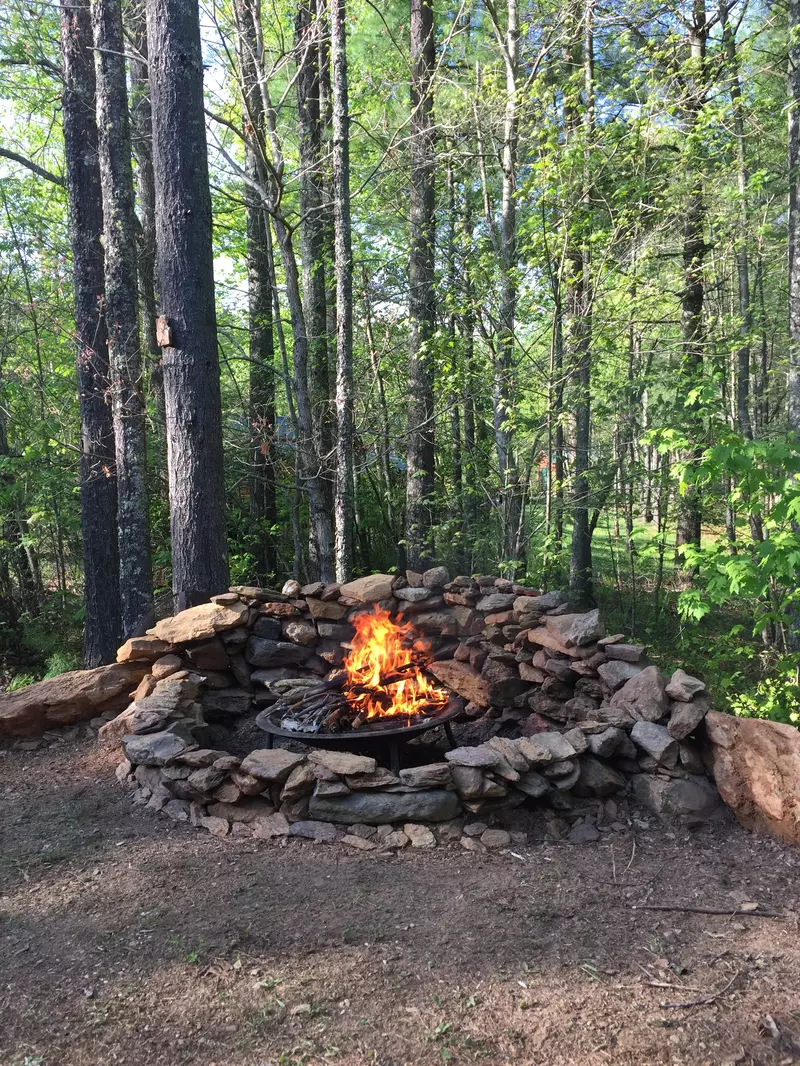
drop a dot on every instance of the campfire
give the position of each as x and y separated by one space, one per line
383 680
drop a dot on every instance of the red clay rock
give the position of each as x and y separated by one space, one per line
463 679
756 765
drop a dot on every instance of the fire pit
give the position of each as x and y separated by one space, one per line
381 698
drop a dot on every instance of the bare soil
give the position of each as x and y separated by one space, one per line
128 939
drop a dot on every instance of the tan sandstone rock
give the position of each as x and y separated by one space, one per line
368 589
68 698
199 623
756 766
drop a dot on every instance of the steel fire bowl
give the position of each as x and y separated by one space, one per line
371 733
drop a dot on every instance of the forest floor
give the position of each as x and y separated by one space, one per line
129 939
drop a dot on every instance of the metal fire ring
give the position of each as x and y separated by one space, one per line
376 735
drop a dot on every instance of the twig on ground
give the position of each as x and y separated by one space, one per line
728 911
701 1002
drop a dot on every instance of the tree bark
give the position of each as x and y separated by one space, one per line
689 524
421 295
580 299
742 257
122 315
98 478
261 298
142 144
504 398
186 291
344 487
793 394
313 261
793 389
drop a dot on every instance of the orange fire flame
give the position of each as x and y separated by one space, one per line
380 648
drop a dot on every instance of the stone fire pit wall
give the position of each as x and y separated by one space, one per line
555 709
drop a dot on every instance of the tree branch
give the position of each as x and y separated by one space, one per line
6 153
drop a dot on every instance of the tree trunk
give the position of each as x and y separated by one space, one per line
186 291
312 256
421 295
504 399
122 316
742 258
793 390
344 492
694 250
142 144
580 300
98 478
261 324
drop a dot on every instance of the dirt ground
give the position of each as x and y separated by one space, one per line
128 939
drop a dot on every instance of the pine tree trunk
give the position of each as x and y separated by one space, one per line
122 316
689 526
345 491
261 325
186 292
421 295
581 299
793 390
504 391
313 261
742 257
142 144
98 479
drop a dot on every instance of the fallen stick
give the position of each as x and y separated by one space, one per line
703 910
700 1002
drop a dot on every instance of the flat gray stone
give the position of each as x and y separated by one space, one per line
533 784
684 687
684 718
432 775
616 673
270 764
692 799
480 756
656 741
322 832
606 743
262 652
544 748
343 762
156 749
597 778
411 595
436 577
577 629
629 653
381 808
496 601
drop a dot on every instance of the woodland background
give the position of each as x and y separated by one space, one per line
574 319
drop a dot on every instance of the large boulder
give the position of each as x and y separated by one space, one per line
69 698
756 766
200 623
